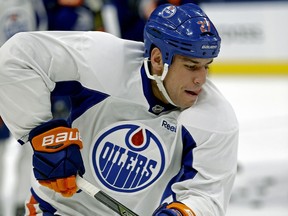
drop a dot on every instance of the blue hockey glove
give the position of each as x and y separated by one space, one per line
173 209
57 158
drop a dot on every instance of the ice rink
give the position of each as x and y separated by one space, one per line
261 104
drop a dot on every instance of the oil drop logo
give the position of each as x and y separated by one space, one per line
128 157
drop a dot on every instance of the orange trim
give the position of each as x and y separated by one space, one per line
66 186
57 139
175 2
70 3
182 208
30 206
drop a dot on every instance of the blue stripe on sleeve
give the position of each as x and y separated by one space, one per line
186 171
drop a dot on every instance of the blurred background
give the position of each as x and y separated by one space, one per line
251 71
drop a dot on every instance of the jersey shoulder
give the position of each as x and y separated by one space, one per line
212 112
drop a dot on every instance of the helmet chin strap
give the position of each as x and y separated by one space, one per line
159 80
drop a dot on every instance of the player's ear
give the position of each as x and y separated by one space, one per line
156 61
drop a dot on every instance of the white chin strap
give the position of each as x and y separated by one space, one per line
159 80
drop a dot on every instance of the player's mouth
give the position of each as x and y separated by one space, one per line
193 93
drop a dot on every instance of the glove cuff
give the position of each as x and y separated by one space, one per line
182 208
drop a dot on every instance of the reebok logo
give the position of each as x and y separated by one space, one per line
168 126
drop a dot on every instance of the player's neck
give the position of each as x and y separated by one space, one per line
157 93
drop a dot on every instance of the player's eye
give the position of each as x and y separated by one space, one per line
191 67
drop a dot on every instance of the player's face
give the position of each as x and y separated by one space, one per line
185 79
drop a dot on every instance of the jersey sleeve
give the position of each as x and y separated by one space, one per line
214 160
33 63
30 65
213 129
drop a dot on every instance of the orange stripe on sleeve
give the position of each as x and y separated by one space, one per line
31 206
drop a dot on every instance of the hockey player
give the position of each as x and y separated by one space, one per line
156 134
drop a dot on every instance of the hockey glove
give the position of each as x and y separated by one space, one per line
57 158
173 209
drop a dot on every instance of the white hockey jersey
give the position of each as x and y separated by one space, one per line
137 149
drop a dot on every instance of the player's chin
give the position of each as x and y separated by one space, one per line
188 101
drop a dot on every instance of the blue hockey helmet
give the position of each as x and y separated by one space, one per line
185 30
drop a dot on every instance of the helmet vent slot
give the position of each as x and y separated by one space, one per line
206 34
186 44
186 49
155 32
173 44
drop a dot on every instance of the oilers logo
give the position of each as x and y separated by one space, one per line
127 157
168 11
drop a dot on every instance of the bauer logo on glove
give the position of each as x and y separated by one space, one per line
57 138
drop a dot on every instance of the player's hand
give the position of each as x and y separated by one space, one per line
66 186
173 209
57 158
